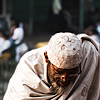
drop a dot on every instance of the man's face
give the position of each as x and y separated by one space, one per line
63 77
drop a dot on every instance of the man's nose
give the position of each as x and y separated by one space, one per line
63 78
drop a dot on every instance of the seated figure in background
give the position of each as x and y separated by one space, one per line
17 35
5 44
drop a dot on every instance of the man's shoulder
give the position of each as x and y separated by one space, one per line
34 54
87 39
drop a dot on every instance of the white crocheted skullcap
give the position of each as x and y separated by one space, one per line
65 50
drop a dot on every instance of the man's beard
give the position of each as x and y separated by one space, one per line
63 81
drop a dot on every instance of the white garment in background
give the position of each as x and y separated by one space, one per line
98 29
22 47
4 45
18 35
20 50
57 7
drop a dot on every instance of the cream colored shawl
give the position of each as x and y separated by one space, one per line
29 81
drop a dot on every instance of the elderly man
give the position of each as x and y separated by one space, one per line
66 69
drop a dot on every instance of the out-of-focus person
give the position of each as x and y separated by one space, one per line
17 35
90 30
5 44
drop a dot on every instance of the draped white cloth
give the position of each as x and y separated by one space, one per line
29 81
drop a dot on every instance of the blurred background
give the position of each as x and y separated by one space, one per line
40 19
38 16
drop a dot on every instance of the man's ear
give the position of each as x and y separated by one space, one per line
46 57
